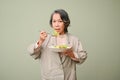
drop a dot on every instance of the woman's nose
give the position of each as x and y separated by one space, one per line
57 24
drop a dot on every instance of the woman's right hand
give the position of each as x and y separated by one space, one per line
43 36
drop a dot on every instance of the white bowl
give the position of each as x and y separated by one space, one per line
54 49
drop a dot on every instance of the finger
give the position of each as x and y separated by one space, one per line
45 34
42 32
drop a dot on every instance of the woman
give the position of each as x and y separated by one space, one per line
58 64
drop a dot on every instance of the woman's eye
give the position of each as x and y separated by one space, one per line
60 21
57 21
53 21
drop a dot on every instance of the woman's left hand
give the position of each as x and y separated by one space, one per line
69 52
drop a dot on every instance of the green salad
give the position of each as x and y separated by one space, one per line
55 33
61 46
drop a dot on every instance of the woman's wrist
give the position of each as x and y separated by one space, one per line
39 43
71 54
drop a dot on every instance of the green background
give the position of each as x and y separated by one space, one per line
95 22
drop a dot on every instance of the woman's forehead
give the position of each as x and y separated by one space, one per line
56 16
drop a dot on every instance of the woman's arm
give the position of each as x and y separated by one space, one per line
35 49
78 54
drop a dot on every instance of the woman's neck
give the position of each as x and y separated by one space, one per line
62 33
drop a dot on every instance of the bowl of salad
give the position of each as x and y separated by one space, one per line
59 48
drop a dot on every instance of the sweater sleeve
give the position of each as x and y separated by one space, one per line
34 50
79 53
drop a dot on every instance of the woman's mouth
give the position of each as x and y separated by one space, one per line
57 30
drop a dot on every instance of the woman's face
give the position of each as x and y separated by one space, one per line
57 23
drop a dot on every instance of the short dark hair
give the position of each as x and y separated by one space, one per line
64 16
